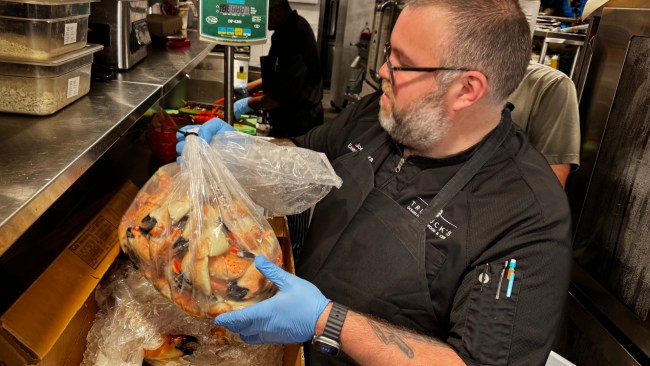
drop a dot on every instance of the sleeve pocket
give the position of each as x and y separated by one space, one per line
489 321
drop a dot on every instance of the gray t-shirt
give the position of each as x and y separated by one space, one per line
546 107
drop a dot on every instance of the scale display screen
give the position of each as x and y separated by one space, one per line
235 9
234 22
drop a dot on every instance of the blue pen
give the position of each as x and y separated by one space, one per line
511 276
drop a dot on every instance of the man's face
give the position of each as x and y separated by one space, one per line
414 110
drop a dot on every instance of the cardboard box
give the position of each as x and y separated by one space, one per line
51 305
67 348
164 25
294 354
70 347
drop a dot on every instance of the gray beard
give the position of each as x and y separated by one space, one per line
419 126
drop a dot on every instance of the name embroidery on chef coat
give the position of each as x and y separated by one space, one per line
358 147
439 226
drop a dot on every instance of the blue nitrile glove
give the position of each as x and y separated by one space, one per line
288 317
206 131
241 91
241 107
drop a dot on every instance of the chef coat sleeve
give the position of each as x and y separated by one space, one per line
288 80
519 330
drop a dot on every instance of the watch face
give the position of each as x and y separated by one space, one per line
326 348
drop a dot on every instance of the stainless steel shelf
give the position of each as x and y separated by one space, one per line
166 67
41 157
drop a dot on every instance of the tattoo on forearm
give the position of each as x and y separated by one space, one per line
387 336
390 334
283 142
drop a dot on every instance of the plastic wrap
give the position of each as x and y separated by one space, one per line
194 233
284 180
135 326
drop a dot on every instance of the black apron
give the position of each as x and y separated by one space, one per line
367 252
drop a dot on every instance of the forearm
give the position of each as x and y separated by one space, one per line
371 341
263 102
254 86
562 172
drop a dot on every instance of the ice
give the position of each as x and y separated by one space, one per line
134 316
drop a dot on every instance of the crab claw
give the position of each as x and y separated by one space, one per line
253 281
141 198
123 230
237 293
160 220
173 347
164 178
178 210
219 308
140 243
188 303
228 267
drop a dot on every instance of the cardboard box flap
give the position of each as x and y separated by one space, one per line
41 314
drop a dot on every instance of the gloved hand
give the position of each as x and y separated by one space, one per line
241 92
241 107
206 131
288 317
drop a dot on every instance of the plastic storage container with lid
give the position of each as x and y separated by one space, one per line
42 87
42 29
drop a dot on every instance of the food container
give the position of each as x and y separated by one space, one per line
42 87
42 29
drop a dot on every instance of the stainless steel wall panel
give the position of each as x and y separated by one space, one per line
613 237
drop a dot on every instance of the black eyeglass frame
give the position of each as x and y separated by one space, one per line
391 68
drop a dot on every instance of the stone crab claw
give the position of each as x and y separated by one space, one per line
173 347
157 222
252 281
228 267
140 243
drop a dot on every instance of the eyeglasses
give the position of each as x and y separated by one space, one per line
392 68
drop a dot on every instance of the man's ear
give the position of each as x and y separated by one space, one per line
468 89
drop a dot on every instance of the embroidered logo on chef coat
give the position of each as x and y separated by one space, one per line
358 147
355 147
439 226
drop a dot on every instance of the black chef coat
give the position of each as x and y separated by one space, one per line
292 77
514 208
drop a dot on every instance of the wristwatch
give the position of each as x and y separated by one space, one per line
328 342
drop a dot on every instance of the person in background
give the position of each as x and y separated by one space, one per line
546 108
564 8
291 76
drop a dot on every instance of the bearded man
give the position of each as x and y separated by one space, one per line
449 240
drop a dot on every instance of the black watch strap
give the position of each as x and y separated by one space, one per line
335 321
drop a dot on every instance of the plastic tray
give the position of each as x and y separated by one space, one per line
43 96
42 30
57 66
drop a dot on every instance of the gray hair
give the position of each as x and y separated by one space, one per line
490 36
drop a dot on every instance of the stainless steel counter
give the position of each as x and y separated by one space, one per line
41 157
167 66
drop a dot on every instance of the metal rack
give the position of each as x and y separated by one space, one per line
561 38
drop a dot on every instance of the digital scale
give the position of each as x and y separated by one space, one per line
233 23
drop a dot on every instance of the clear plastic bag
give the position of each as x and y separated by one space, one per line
194 233
135 324
284 180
